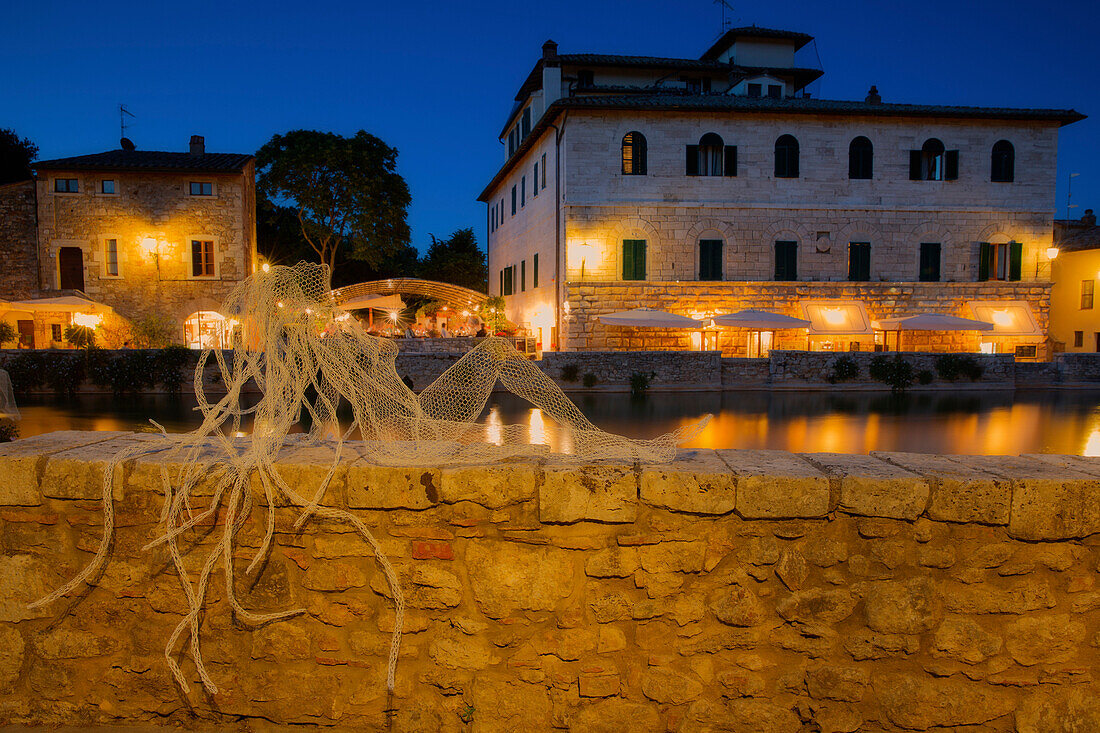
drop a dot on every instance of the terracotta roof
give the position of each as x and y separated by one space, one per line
751 31
767 105
1076 236
150 160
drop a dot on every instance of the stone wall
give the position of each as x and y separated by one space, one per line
737 373
795 368
667 370
729 590
18 241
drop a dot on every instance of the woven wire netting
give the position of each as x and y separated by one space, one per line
308 358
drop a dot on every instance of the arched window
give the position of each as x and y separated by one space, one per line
861 158
1003 163
710 155
933 163
786 157
634 154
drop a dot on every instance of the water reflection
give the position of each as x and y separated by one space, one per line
1057 421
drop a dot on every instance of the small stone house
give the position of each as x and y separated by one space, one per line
1074 309
141 234
718 183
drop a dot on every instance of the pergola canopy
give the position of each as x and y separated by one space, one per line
932 322
455 296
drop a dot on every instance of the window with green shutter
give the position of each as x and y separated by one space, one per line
710 259
535 271
859 261
633 259
1000 261
786 261
929 262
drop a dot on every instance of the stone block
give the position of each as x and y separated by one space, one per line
23 462
960 492
594 492
697 482
508 577
78 473
873 488
918 702
774 484
492 485
371 486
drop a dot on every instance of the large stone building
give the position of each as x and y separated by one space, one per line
141 234
713 184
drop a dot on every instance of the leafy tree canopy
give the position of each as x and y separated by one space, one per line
15 157
345 192
457 260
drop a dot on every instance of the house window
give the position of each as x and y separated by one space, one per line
1086 294
202 258
55 332
511 142
107 186
523 192
507 280
710 259
110 257
501 210
202 188
711 157
929 262
513 200
585 78
933 163
1000 261
492 218
526 123
523 276
544 170
535 181
859 261
634 154
535 271
1003 162
786 261
775 91
66 185
861 157
755 90
633 259
786 157
1078 339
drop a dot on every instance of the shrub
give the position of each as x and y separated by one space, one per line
844 369
7 333
639 383
570 372
169 363
155 331
925 376
895 372
952 366
27 370
65 373
590 380
9 431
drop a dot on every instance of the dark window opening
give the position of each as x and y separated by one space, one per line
202 258
929 262
535 271
1078 339
513 200
55 332
66 185
786 157
535 181
859 261
711 157
525 123
1003 163
755 90
633 259
585 78
775 91
107 185
544 170
786 261
522 191
710 259
861 157
634 154
523 276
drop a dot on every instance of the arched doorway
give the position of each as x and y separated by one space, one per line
206 329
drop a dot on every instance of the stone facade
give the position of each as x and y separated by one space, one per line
18 240
728 590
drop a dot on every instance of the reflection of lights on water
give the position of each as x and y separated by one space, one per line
494 429
240 434
537 428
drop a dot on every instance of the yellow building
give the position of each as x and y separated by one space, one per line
1074 312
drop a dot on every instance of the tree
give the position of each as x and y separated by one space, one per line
345 192
457 260
15 157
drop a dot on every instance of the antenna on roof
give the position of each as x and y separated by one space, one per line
123 113
727 18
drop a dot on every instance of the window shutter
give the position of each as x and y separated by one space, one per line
914 165
692 160
639 260
628 259
730 167
985 255
951 165
1015 259
640 155
792 163
535 272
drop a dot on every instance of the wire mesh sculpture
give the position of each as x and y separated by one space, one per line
306 355
8 409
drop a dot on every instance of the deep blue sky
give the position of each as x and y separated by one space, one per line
435 79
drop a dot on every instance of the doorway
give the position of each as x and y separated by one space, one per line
26 334
70 262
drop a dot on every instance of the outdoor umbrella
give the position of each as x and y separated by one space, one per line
649 318
931 322
758 321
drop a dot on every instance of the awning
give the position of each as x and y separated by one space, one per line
1009 317
378 302
64 303
931 322
837 317
649 318
759 320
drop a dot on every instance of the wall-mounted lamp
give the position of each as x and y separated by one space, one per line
1052 252
149 245
265 267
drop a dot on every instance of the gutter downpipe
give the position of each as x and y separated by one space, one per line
558 285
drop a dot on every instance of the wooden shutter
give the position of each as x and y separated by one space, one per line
692 160
639 153
929 262
985 256
915 165
951 165
535 271
628 259
710 259
859 261
639 259
730 163
786 267
523 276
1015 259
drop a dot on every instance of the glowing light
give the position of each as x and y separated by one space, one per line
265 267
537 427
465 314
1092 445
1052 253
1002 318
343 317
494 430
696 341
87 320
393 316
280 304
986 347
833 316
149 245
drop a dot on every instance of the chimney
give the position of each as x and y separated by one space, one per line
873 96
198 145
1089 219
551 75
549 51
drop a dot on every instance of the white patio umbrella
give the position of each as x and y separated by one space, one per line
931 322
649 318
758 321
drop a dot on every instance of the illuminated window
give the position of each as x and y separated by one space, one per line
634 154
786 157
108 186
861 157
1086 294
1000 261
66 185
110 256
202 258
202 188
933 163
1003 162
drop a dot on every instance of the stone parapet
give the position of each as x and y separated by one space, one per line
733 590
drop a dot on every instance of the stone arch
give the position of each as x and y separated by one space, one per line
858 231
930 231
722 230
635 228
998 233
784 229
